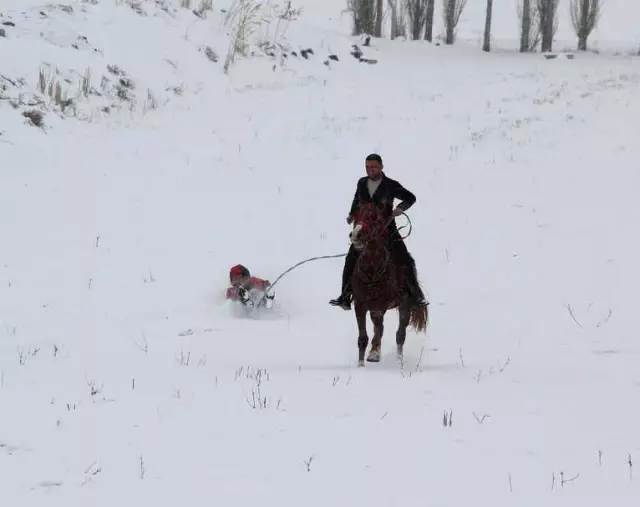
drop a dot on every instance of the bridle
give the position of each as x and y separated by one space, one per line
361 244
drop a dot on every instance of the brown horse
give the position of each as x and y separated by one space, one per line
377 284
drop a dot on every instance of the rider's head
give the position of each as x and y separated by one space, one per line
238 275
373 164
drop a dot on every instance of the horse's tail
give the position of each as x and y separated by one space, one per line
419 318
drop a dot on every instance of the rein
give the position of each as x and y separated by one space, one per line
375 278
389 222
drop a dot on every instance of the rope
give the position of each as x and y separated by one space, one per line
310 259
389 222
305 261
295 266
410 225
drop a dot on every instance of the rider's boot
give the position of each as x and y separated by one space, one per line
343 301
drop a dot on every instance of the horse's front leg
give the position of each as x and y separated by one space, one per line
378 329
363 337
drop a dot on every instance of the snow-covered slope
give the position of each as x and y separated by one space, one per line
100 61
125 377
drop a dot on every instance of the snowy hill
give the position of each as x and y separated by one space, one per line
96 60
126 378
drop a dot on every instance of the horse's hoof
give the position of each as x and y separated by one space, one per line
360 363
399 353
374 356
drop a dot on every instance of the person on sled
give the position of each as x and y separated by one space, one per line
243 286
381 190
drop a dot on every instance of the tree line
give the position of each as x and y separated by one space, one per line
414 19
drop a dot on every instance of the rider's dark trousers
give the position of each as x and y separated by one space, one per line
349 265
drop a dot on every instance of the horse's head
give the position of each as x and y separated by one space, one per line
358 235
369 225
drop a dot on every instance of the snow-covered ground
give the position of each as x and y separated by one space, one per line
126 378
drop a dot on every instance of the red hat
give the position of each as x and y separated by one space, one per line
239 270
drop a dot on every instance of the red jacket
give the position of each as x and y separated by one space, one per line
252 283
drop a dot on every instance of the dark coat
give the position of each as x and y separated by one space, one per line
383 197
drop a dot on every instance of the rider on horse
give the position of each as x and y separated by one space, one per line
381 190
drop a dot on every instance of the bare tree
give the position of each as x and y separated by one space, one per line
585 15
486 44
363 16
398 19
417 14
547 10
452 10
428 21
529 25
379 16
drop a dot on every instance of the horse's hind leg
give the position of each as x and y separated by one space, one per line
401 334
363 338
378 329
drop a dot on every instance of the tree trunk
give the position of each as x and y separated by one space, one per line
486 46
379 13
526 26
416 21
428 24
547 36
394 19
450 21
583 32
547 10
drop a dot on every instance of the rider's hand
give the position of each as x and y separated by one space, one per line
349 219
398 211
